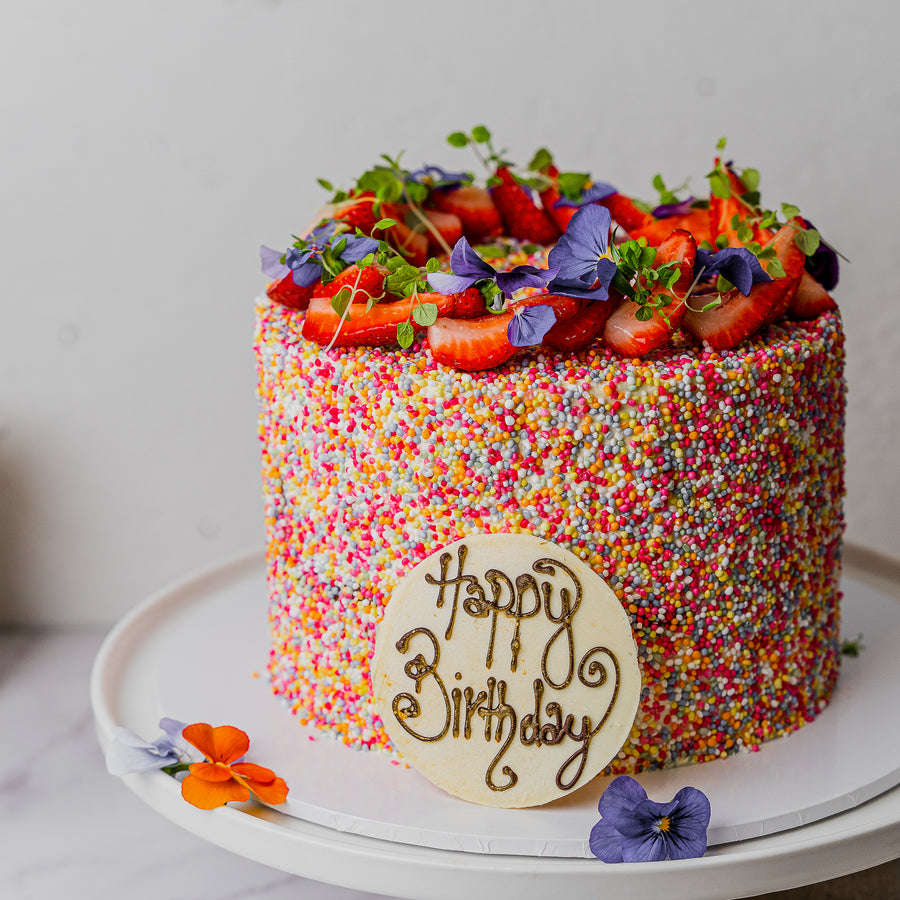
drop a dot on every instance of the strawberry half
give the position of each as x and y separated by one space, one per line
722 211
375 328
628 335
523 220
289 294
810 299
561 215
738 317
482 343
366 281
411 243
656 231
448 225
583 329
625 213
474 208
359 212
468 304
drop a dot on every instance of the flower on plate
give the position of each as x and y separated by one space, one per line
735 264
468 268
129 752
224 777
582 258
529 324
634 828
436 177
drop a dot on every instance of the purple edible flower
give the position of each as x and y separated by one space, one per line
582 256
469 268
667 210
298 260
435 176
529 324
736 264
597 191
634 828
823 264
271 264
129 752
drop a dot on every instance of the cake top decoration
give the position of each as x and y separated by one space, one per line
428 258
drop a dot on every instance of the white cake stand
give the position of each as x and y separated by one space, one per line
816 805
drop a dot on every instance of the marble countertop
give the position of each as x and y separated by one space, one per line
68 829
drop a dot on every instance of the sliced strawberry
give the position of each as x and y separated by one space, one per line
583 329
377 327
289 294
475 209
656 231
359 212
368 281
628 335
476 344
738 317
561 215
469 304
412 244
722 213
625 213
523 220
810 299
448 225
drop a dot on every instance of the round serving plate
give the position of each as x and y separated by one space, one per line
197 650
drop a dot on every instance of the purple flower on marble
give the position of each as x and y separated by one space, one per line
599 190
667 210
634 828
468 268
529 324
582 256
823 264
436 177
129 752
736 264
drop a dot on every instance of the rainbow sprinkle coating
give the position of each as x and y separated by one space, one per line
706 488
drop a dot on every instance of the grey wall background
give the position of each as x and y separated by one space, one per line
148 149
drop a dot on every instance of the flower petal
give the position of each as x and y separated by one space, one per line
648 848
224 744
737 264
691 817
357 247
254 772
210 794
620 798
270 262
273 792
823 265
529 325
524 276
667 210
465 261
597 191
578 289
210 771
444 283
128 752
586 240
606 843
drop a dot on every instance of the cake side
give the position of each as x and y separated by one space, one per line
706 488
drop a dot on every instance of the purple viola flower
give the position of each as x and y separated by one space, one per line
599 190
357 247
634 828
468 268
582 256
736 264
529 324
271 264
823 264
300 260
129 752
667 210
435 176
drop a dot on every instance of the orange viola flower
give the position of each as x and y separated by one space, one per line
221 779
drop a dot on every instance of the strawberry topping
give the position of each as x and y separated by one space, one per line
285 292
523 220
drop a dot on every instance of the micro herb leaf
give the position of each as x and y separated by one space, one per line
325 184
433 265
643 206
541 160
405 334
341 300
367 260
572 184
774 268
457 139
723 285
790 210
416 192
425 314
381 224
480 134
721 143
643 314
489 251
712 304
808 240
658 183
718 184
750 179
853 646
721 242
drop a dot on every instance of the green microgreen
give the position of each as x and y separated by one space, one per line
638 279
853 646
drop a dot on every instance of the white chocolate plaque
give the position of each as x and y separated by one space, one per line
505 670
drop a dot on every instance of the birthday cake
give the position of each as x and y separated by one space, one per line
669 408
